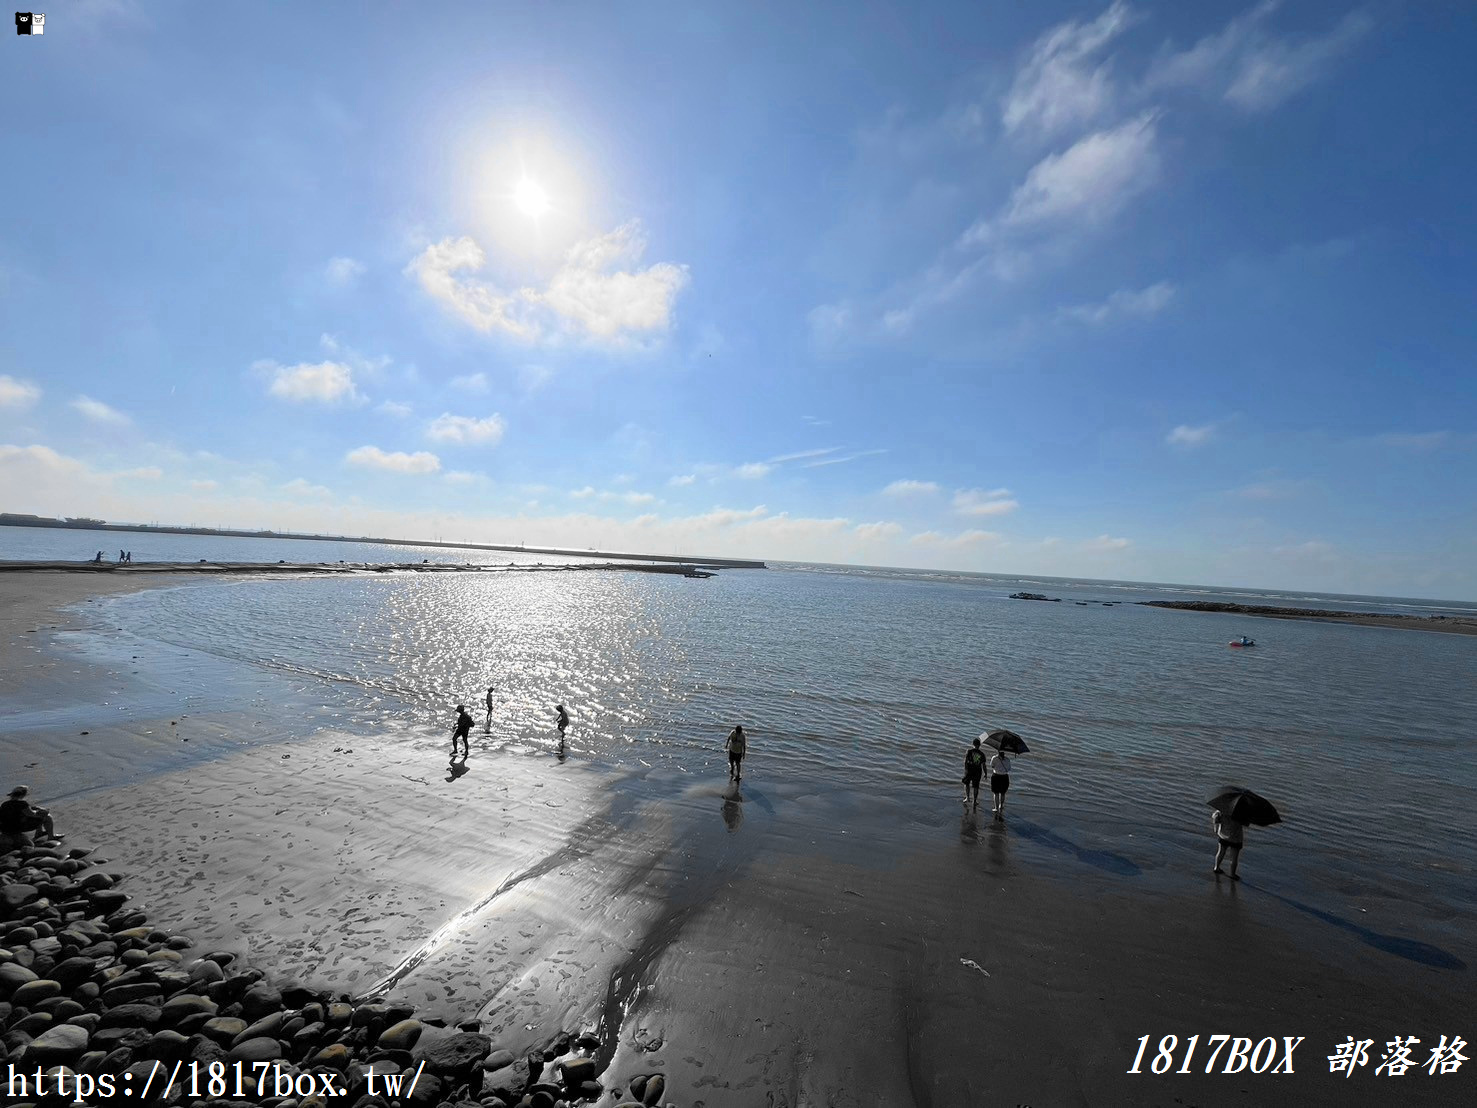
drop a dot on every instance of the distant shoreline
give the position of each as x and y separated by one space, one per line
128 569
11 519
1451 625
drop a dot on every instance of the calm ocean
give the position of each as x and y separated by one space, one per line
868 683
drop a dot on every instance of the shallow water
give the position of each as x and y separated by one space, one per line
862 689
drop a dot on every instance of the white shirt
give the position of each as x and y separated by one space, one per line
1000 766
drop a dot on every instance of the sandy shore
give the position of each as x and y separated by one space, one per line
758 945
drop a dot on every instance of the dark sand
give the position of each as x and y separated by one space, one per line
750 944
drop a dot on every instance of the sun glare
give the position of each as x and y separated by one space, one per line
530 198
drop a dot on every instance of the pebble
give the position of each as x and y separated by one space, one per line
88 984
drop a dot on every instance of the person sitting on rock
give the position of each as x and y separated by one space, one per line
18 817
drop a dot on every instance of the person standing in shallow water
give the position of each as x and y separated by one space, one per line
974 769
489 708
999 781
561 719
1230 836
737 745
463 728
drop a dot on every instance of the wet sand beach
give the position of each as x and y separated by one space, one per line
773 943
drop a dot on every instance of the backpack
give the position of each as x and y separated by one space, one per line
975 759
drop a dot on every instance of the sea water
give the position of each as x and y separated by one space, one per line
861 688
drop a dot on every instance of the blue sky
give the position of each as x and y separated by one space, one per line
1129 290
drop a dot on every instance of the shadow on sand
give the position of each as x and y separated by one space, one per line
1102 859
1412 950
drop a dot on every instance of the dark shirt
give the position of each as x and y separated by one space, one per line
463 724
16 815
23 23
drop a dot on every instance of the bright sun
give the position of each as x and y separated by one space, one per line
530 198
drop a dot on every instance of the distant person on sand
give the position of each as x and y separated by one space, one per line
489 707
99 557
974 769
999 781
463 728
561 720
737 745
1230 836
18 816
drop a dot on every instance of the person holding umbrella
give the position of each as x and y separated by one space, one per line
1232 811
1229 838
1003 741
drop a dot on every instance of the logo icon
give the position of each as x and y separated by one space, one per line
30 23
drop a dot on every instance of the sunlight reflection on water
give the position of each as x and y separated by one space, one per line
1134 715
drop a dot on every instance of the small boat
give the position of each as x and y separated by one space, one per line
1241 642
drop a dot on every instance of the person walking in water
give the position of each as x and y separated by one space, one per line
999 781
737 745
1230 836
561 719
489 708
463 728
974 769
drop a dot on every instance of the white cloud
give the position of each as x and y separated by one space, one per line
301 487
964 539
975 502
751 471
608 301
484 307
99 412
911 488
394 408
683 479
815 421
472 382
1250 66
1060 84
463 477
876 532
204 486
724 517
144 473
629 497
466 430
343 272
17 394
323 382
1106 543
1125 303
1185 435
798 455
372 457
1088 183
583 494
599 292
842 460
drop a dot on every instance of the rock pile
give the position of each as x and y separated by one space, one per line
95 1001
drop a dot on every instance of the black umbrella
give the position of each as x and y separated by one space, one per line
1244 806
1007 742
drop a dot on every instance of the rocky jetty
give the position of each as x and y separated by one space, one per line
1035 596
96 1004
